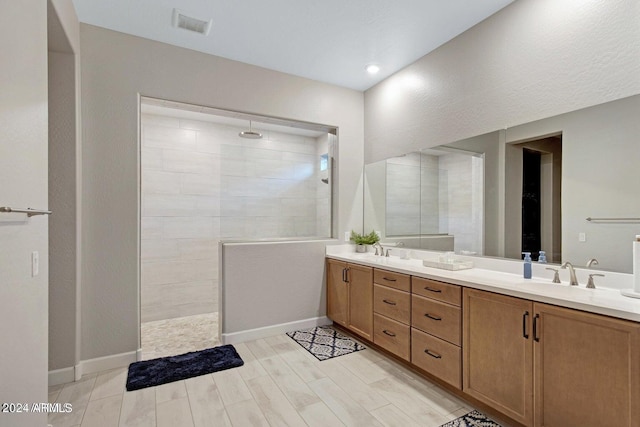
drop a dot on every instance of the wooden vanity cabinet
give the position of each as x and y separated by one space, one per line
539 364
549 366
436 329
587 369
360 280
497 351
337 292
392 312
350 296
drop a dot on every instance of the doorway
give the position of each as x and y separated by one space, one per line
533 197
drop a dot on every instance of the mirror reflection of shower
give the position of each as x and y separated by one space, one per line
209 175
432 199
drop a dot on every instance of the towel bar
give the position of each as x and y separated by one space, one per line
29 211
614 219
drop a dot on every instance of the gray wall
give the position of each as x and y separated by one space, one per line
115 69
62 200
600 177
251 299
64 188
533 59
23 174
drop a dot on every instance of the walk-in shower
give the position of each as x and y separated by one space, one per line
205 178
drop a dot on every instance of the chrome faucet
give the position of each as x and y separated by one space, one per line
378 245
556 276
591 262
573 281
590 283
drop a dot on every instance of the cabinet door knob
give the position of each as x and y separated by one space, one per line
391 334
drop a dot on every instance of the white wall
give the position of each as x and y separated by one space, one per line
23 174
533 59
115 69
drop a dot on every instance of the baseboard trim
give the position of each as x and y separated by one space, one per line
106 363
268 331
62 376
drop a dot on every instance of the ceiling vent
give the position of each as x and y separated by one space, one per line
181 20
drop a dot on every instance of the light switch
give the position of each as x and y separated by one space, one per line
347 236
582 237
35 263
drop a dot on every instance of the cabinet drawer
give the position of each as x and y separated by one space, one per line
436 318
438 357
441 291
393 280
391 335
392 303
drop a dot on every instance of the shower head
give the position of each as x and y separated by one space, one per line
250 134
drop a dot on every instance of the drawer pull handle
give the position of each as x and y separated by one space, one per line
431 316
388 302
426 288
391 334
388 280
432 354
525 316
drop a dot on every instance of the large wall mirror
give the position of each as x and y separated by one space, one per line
568 185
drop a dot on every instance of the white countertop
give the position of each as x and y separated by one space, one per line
602 300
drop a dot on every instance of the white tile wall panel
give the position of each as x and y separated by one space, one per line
201 183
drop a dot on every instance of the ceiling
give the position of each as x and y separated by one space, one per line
327 40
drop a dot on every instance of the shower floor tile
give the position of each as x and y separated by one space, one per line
170 337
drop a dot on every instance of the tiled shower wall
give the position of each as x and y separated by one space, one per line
202 183
461 200
429 194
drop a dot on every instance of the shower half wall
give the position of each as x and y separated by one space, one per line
201 183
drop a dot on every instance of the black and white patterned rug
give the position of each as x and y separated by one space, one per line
472 419
325 342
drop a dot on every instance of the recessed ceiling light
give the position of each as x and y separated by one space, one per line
372 68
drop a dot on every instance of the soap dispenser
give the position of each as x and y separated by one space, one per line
527 265
542 259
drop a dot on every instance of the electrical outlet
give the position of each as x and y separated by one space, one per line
347 236
35 263
582 237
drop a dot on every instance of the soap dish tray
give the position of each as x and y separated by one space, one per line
454 265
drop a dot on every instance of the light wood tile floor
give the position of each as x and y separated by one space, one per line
280 384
